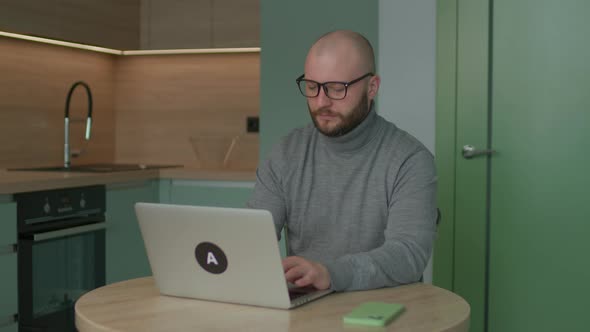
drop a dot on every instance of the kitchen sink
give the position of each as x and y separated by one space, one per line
95 168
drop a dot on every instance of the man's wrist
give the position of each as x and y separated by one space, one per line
325 277
340 275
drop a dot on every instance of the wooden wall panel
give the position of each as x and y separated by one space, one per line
162 102
146 108
34 81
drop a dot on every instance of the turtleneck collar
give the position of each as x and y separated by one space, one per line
357 138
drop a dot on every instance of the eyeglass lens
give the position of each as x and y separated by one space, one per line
334 90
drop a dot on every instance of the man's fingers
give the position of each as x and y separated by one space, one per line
298 271
299 277
290 262
302 272
294 273
303 281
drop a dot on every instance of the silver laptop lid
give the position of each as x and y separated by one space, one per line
219 254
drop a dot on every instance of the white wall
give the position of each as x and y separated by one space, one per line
406 63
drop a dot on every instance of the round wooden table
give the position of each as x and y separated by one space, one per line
136 305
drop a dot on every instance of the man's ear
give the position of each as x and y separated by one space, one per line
374 83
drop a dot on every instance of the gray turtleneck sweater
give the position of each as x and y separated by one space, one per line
362 204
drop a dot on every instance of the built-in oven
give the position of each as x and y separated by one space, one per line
61 254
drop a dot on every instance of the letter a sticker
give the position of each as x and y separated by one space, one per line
211 258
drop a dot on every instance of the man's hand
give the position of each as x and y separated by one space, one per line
303 272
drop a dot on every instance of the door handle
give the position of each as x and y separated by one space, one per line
69 231
469 151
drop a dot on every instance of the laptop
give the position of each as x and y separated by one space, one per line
218 254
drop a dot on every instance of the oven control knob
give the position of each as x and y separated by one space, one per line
82 202
46 208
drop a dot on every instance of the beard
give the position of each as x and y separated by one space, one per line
347 122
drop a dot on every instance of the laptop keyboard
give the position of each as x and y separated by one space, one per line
297 292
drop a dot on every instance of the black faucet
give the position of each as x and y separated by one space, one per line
67 120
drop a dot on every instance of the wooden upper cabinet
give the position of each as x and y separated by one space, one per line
173 24
167 24
236 23
137 24
29 17
107 23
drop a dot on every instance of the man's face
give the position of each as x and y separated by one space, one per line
338 117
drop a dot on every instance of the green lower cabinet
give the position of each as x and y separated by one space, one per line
8 290
211 193
125 252
8 268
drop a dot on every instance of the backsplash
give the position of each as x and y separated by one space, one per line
162 101
34 82
146 108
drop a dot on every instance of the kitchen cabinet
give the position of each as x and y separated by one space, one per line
8 266
125 252
174 24
209 193
167 24
143 24
236 23
108 23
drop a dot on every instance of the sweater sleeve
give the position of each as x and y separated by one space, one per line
268 192
408 236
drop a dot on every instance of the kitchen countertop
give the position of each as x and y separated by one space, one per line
12 182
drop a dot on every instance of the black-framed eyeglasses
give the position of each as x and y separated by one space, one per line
333 89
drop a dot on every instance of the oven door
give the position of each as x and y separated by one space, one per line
55 269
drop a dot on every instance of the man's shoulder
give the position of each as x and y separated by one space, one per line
402 141
291 144
296 138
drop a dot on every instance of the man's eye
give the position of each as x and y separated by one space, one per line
336 87
311 86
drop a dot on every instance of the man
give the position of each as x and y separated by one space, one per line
355 193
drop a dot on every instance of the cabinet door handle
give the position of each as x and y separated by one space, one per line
7 250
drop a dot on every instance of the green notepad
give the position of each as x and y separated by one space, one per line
373 313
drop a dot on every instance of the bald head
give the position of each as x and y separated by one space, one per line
343 64
345 48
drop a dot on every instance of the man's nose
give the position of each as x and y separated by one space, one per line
322 99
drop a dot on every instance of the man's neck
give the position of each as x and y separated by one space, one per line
357 137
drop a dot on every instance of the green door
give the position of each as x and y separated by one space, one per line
522 216
540 212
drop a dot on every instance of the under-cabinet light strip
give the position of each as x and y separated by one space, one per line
195 51
61 43
131 52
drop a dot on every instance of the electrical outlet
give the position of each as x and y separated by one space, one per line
252 124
